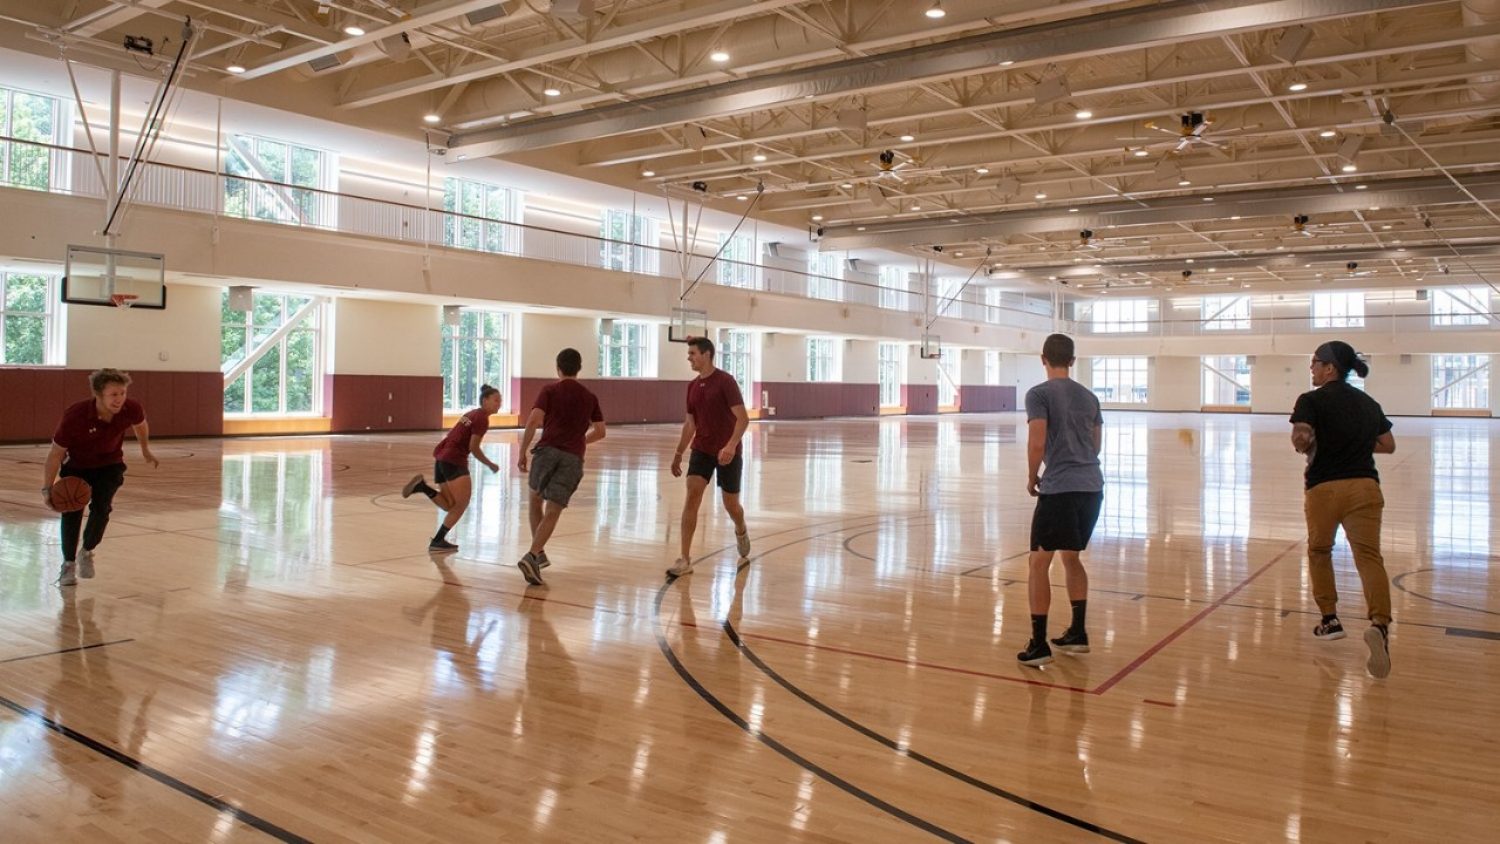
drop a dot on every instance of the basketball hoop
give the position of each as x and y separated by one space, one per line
123 300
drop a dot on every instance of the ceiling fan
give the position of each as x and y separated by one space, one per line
1086 240
1192 132
1300 225
1354 271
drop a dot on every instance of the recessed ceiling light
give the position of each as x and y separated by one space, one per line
916 207
1084 114
817 218
847 185
1297 86
432 118
1328 133
859 228
1190 260
1386 227
552 92
742 197
648 173
906 139
982 170
1235 217
936 11
462 156
1361 187
1142 153
1349 168
1041 196
1072 210
356 31
1182 183
719 56
1208 199
758 157
958 254
1213 269
1281 247
1375 208
236 68
1007 63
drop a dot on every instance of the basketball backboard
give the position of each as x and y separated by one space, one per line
687 323
97 275
932 347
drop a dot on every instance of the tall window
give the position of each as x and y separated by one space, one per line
994 300
1461 382
627 350
481 216
1452 306
895 287
29 320
281 182
1117 316
735 356
1226 380
825 273
1120 380
31 117
1338 310
823 359
630 243
280 336
1226 313
890 373
736 265
475 353
948 374
992 368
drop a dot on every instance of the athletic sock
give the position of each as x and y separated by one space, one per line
427 490
1039 628
1079 609
442 534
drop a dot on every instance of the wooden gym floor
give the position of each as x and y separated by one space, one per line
268 652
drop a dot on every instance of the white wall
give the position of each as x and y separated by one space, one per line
182 338
783 357
1276 381
542 336
386 338
861 362
1403 389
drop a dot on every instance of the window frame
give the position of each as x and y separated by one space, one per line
1331 309
1475 369
51 317
1114 369
1460 307
59 175
260 192
479 342
825 276
644 355
824 360
1225 313
1210 374
736 355
507 220
1120 316
629 242
315 325
890 372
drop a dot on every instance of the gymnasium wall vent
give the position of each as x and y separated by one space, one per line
480 17
322 63
1406 360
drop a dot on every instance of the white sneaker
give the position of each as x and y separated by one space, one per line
85 563
742 542
681 567
67 576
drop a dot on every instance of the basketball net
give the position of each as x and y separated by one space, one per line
123 300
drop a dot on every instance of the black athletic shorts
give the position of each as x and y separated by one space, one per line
443 471
1064 521
705 465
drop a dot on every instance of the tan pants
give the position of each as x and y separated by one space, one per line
1357 504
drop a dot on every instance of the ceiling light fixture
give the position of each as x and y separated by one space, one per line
432 117
236 68
982 170
1349 168
353 30
817 218
1184 182
1084 114
552 92
847 185
758 157
648 173
1072 210
935 12
1297 87
1007 63
906 139
1328 133
1041 196
1142 153
719 56
742 197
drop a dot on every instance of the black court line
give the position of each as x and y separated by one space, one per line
791 755
67 650
915 756
1473 634
1397 582
244 817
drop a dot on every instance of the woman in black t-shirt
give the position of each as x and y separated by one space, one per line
1341 429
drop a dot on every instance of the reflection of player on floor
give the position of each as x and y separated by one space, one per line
716 421
91 436
451 466
570 419
1065 431
1341 429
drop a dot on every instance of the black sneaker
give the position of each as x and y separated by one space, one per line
441 545
1072 642
416 483
1329 629
1036 653
1379 641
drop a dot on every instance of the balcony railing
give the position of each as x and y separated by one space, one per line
66 170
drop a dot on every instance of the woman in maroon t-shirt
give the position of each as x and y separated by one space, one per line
450 466
90 437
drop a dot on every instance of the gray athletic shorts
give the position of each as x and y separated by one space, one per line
555 474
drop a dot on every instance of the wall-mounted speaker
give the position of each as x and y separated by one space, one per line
241 298
452 315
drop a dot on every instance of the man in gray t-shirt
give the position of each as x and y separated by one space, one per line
1064 431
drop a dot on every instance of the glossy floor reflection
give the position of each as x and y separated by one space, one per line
269 653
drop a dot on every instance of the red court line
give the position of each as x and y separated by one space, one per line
1187 625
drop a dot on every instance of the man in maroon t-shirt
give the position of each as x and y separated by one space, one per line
91 436
716 421
570 419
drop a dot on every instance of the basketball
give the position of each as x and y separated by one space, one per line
70 495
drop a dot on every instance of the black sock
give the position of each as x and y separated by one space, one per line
1079 608
427 490
442 534
1329 618
1039 628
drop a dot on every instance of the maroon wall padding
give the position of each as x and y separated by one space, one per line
385 403
621 399
178 404
920 398
801 400
974 398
